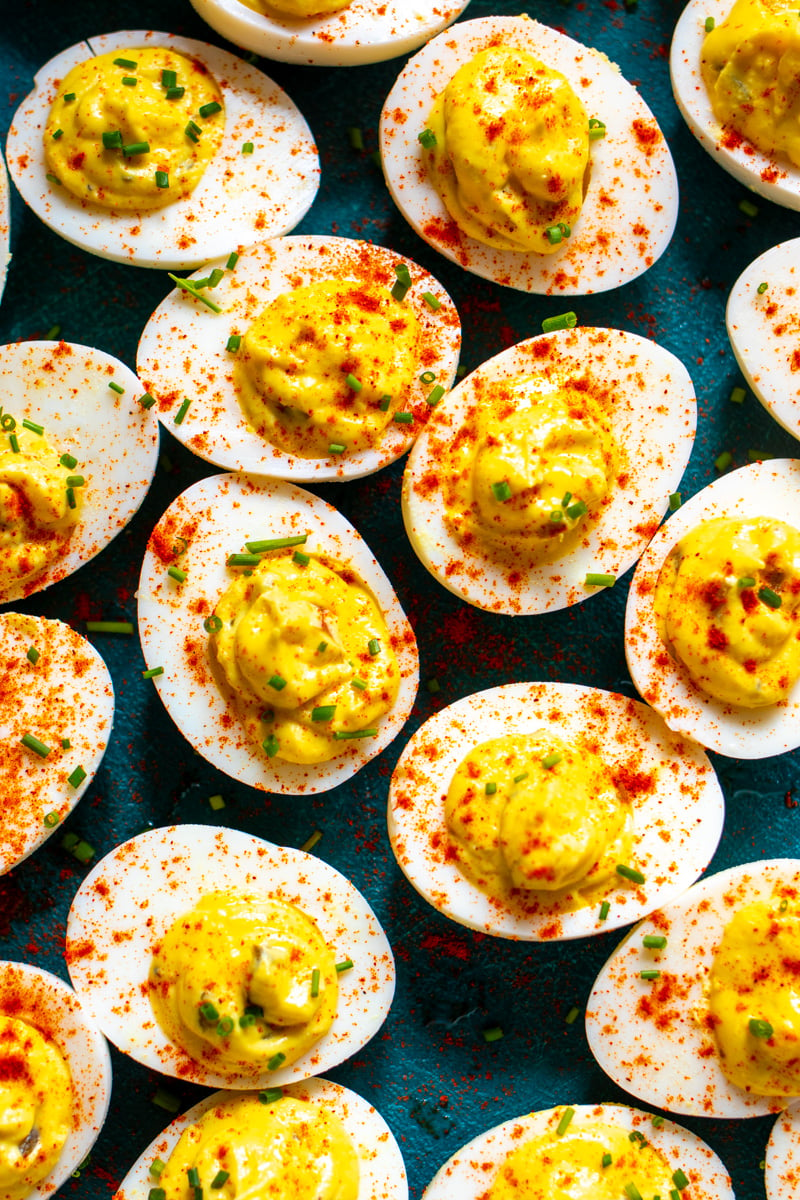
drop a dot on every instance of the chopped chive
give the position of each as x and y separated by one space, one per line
680 1180
759 1029
233 343
209 1012
748 208
403 281
233 258
675 501
53 179
112 139
220 1178
572 1016
654 941
177 574
225 1026
723 461
147 401
126 62
75 481
216 802
522 775
355 138
152 672
32 426
404 418
212 624
428 377
156 1193
551 760
7 422
709 24
193 1176
182 411
129 80
66 744
637 1136
632 1191
186 286
69 97
322 647
168 78
301 559
630 873
384 403
337 448
14 443
243 560
116 387
359 684
175 93
597 129
426 138
576 510
193 131
276 1061
166 1100
605 909
556 233
77 847
270 1095
315 983
279 543
68 461
502 490
323 712
32 655
737 395
759 455
649 974
435 395
162 179
342 735
57 134
109 626
769 597
674 1194
277 682
32 743
270 746
311 842
374 647
595 579
557 516
656 1121
762 287
71 501
606 1160
208 110
493 1034
353 383
564 1123
491 788
157 1167
567 320
52 333
136 148
247 148
51 819
432 302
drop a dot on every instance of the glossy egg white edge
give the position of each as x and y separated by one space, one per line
67 693
5 224
216 516
265 193
631 206
648 1035
471 1170
65 387
677 823
182 352
776 179
654 416
134 894
766 489
764 331
782 1160
363 32
45 1001
382 1173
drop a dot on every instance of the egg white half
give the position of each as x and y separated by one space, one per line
364 32
631 205
216 517
764 331
5 224
382 1173
134 894
45 1001
65 388
240 197
648 1034
472 1169
776 179
782 1160
766 489
677 822
653 420
182 353
67 693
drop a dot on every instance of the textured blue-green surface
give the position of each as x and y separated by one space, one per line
429 1071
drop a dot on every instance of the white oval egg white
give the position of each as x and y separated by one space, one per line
648 1035
382 1173
776 179
765 489
364 32
64 387
182 353
5 224
45 1001
764 331
239 198
66 694
216 517
677 821
654 416
130 899
782 1159
630 208
471 1170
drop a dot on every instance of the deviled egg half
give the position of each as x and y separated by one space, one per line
563 186
316 362
78 451
543 475
56 711
782 1159
5 224
214 956
160 151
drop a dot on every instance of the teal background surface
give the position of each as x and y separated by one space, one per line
429 1071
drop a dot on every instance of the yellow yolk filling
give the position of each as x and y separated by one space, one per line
299 9
727 605
532 465
296 647
35 1107
569 1166
231 981
287 1150
754 999
750 66
36 516
531 812
313 368
159 137
512 151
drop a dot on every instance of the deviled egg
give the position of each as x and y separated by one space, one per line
5 224
259 183
122 930
543 475
611 144
318 366
56 711
782 1159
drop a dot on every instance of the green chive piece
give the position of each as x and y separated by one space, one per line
337 448
315 983
566 500
433 685
709 24
280 543
311 842
324 712
147 401
112 139
243 560
404 418
225 1026
737 395
212 624
597 129
14 443
53 179
426 138
166 1100
675 501
186 286
128 63
58 134
51 819
322 647
69 97
345 965
270 1095
68 461
502 490
247 148
572 1016
77 847
193 131
490 788
353 383
182 411
74 481
115 387
432 302
32 426
554 234
403 281
605 909
656 1121
606 1160
576 510
32 655
129 80
341 735
301 559
723 461
674 1194
769 597
374 647
435 395
428 377
649 974
355 138
71 501
233 343
522 775
277 682
680 1180
276 1061
748 208
216 802
359 684
162 179
152 672
193 1176
136 148
175 93
169 78
157 1193
630 873
209 1012
654 941
493 1034
636 1136
270 746
233 258
567 320
564 1123
157 1167
595 579
7 422
66 744
759 456
177 574
759 1029
557 516
208 110
32 743
551 760
762 287
384 402
632 1191
109 626
220 1178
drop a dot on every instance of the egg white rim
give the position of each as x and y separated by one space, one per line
659 1069
382 1173
175 355
776 179
43 783
594 258
465 1175
765 489
171 615
358 34
111 932
65 387
692 801
49 1004
5 224
284 163
782 1158
654 440
763 329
